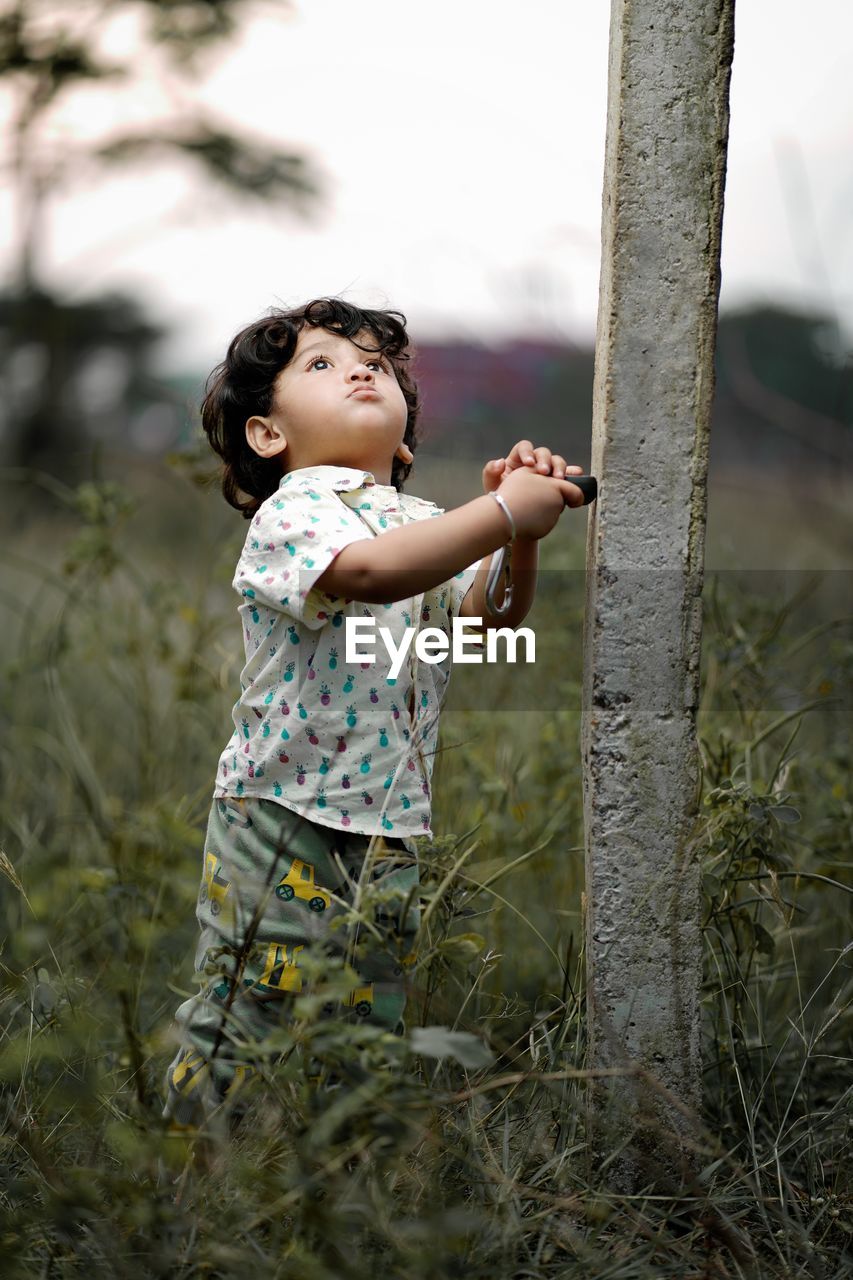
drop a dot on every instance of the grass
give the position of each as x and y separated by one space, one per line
462 1148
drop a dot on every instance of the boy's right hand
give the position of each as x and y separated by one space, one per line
537 501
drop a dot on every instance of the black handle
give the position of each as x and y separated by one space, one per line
588 486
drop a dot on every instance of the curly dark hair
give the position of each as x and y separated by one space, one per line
243 386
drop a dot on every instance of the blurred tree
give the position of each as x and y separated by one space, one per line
51 55
77 372
783 388
50 51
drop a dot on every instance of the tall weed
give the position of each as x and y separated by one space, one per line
459 1148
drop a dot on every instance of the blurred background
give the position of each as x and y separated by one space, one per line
175 167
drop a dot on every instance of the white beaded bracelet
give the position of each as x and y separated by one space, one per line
504 507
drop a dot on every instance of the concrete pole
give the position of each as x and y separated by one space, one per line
667 131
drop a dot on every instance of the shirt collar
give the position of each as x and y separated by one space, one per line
341 479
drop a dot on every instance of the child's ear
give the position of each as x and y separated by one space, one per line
404 453
265 437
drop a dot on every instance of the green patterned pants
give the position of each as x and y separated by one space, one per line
273 887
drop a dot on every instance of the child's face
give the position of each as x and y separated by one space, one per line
316 419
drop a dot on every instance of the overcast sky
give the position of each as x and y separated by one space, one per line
461 142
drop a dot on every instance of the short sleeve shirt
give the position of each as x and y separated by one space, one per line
346 744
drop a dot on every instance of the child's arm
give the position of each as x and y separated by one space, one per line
420 556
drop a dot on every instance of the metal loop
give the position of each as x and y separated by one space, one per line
499 565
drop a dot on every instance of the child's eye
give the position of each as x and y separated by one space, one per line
381 364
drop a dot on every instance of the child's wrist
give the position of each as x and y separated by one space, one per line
504 506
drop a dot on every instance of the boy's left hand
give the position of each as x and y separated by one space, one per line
540 459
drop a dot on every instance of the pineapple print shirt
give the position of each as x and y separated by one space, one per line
344 744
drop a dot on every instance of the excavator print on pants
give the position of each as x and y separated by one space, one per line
281 974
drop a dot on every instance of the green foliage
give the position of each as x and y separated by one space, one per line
778 893
459 1148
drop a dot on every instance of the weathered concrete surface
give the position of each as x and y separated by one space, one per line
667 131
